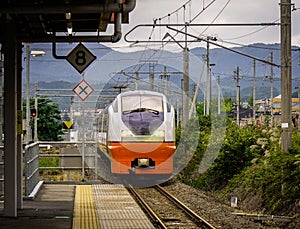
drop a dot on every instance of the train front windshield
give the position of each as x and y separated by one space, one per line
143 113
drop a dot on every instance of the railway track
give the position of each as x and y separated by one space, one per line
166 210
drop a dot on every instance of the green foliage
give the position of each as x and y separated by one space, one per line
234 156
275 176
200 137
200 108
250 162
49 161
227 104
187 142
49 126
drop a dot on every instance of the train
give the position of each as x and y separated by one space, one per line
136 132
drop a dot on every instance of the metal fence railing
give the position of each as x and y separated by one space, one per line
69 158
31 160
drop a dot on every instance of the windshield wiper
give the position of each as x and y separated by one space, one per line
132 111
151 110
156 112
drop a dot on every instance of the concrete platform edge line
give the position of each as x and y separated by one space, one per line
35 191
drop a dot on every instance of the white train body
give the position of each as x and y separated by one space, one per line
137 131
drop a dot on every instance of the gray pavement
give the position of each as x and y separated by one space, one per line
52 208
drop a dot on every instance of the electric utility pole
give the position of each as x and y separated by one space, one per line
286 72
271 90
298 107
219 95
237 78
207 91
151 75
254 89
185 105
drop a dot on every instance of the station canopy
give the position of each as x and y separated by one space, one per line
42 20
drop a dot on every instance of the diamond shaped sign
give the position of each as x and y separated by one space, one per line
80 57
83 90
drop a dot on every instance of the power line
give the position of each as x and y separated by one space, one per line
173 12
251 33
176 11
218 14
204 8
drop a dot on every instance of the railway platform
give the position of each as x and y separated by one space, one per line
78 206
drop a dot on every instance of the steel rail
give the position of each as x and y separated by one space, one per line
147 208
186 209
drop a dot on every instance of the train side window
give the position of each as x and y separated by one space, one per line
115 106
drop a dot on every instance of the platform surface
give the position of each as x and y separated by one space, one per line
117 209
84 206
52 208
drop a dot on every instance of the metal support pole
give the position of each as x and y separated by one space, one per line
1 123
137 79
10 119
219 96
286 73
207 80
272 90
19 129
254 89
185 87
165 80
193 105
71 115
37 113
151 76
185 105
237 72
83 141
28 127
298 107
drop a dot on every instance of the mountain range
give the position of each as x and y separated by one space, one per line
113 67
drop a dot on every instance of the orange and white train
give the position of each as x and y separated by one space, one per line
137 133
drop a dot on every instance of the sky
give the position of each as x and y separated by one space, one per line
208 12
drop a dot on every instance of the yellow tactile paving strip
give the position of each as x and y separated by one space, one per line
85 214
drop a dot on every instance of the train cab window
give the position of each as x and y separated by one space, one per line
142 113
146 102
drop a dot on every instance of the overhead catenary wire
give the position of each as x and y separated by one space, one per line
215 18
251 33
183 7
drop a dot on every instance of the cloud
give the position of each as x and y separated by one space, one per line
236 11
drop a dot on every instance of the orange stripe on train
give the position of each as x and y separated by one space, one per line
123 154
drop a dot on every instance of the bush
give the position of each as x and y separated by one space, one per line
234 156
251 163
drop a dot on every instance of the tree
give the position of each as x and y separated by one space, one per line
227 104
49 127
